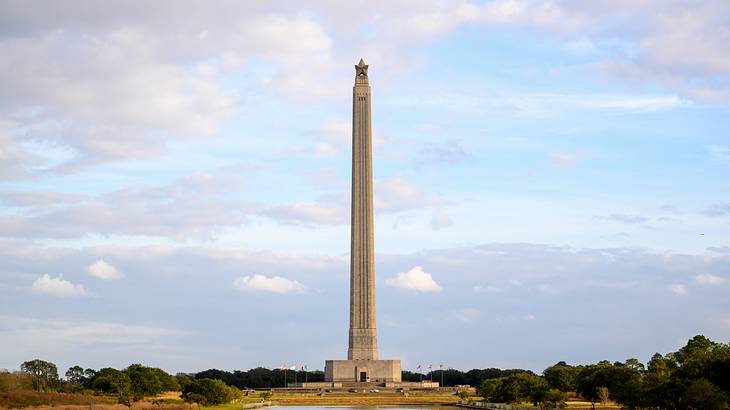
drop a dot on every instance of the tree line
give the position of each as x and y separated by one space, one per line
697 376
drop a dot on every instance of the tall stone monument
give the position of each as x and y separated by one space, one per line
362 364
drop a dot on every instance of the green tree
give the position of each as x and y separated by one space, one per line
561 376
75 374
520 387
43 373
488 389
703 395
75 377
208 392
552 399
113 381
144 381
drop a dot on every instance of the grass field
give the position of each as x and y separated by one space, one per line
171 401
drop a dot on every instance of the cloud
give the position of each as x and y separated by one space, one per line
466 315
181 272
104 271
440 220
486 289
57 287
717 210
333 131
398 194
88 69
709 279
449 152
196 206
261 283
719 153
563 160
415 279
678 289
392 195
326 210
622 218
30 198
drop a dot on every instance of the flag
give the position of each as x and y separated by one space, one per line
418 367
441 366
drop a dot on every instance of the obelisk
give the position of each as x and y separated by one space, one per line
362 364
363 340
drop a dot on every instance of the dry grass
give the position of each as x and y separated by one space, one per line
581 405
355 399
29 398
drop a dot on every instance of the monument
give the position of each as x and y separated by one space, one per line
363 364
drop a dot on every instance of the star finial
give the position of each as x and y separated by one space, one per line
361 69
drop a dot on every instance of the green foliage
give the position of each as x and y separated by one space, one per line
260 378
113 381
149 381
561 376
266 395
463 394
703 395
488 389
553 399
44 374
183 380
209 392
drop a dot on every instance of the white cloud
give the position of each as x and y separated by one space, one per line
261 283
486 289
195 206
325 213
623 218
415 279
398 194
678 289
709 279
57 287
440 220
563 160
466 315
449 152
104 271
719 152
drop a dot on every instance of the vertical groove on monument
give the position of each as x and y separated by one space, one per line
363 337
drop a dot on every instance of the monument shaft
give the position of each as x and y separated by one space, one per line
363 364
363 338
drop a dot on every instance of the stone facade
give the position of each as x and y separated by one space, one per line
363 364
362 371
363 338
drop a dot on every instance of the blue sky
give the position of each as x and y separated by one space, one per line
551 180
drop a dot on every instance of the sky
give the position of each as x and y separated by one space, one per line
552 180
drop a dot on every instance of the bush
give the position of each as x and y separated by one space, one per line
209 392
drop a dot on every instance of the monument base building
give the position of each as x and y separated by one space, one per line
362 371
